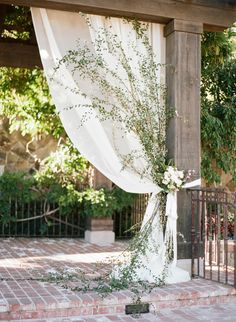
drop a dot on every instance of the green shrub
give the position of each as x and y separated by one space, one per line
13 186
89 202
103 202
65 167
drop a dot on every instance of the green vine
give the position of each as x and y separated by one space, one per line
139 106
136 104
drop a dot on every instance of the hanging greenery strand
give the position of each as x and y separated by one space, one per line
126 90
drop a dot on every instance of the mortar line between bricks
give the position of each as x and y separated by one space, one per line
47 296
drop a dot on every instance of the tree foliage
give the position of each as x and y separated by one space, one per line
25 100
218 110
24 95
66 167
17 23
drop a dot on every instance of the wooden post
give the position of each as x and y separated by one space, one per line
183 59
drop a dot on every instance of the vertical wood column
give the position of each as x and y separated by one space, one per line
183 59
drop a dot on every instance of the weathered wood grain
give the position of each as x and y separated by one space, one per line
183 89
19 55
217 13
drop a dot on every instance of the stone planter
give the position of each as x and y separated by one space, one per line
99 230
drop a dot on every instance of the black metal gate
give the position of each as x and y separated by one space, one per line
214 235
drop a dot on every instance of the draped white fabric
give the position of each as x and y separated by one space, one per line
58 32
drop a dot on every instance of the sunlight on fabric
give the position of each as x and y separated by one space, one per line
44 54
102 142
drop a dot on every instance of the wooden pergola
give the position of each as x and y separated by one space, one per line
185 21
213 15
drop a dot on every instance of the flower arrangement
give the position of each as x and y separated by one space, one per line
173 179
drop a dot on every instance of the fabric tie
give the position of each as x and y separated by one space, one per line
171 202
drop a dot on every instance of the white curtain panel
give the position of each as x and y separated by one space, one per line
101 142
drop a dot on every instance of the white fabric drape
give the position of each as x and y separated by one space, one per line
57 32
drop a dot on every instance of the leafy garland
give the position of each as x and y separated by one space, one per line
138 106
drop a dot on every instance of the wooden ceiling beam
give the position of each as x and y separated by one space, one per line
222 4
19 55
214 14
3 11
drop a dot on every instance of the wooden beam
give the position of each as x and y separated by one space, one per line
207 27
222 4
19 55
183 56
217 13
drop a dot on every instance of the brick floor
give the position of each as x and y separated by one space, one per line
218 273
23 295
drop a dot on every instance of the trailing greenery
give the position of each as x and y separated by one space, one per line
25 99
138 104
78 280
129 94
218 110
60 178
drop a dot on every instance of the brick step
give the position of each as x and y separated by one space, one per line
215 312
195 292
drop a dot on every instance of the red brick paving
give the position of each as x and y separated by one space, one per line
23 297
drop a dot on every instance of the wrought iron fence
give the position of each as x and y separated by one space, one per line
214 235
29 220
128 221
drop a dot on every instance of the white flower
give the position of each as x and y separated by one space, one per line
171 170
173 178
181 174
166 182
179 182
